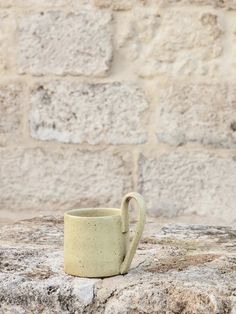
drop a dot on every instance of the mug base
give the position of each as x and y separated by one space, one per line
92 275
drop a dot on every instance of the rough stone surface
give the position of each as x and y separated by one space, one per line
177 42
115 4
138 76
66 43
227 4
10 109
188 183
92 113
3 55
41 179
177 269
27 3
6 27
203 113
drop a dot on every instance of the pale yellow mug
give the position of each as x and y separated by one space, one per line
97 241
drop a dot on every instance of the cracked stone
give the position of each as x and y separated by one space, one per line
177 269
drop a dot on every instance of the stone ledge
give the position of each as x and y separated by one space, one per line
177 269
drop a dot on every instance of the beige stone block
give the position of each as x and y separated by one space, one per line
227 4
40 179
175 42
89 113
203 113
7 28
115 4
180 183
28 3
66 43
10 109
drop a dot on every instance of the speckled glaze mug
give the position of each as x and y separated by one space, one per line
97 242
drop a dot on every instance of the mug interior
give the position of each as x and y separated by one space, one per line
94 212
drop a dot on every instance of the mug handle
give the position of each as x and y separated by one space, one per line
125 226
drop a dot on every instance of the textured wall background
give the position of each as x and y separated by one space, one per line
100 98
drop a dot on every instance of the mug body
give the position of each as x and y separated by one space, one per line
94 245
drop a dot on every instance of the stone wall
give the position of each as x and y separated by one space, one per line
100 98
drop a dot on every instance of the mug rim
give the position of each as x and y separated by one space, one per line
112 212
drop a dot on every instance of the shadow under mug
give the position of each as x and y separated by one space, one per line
97 241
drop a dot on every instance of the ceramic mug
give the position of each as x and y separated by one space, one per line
97 242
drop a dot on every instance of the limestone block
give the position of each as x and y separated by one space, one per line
93 113
41 179
177 269
115 4
10 109
27 3
189 183
226 4
203 113
66 43
175 42
7 28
